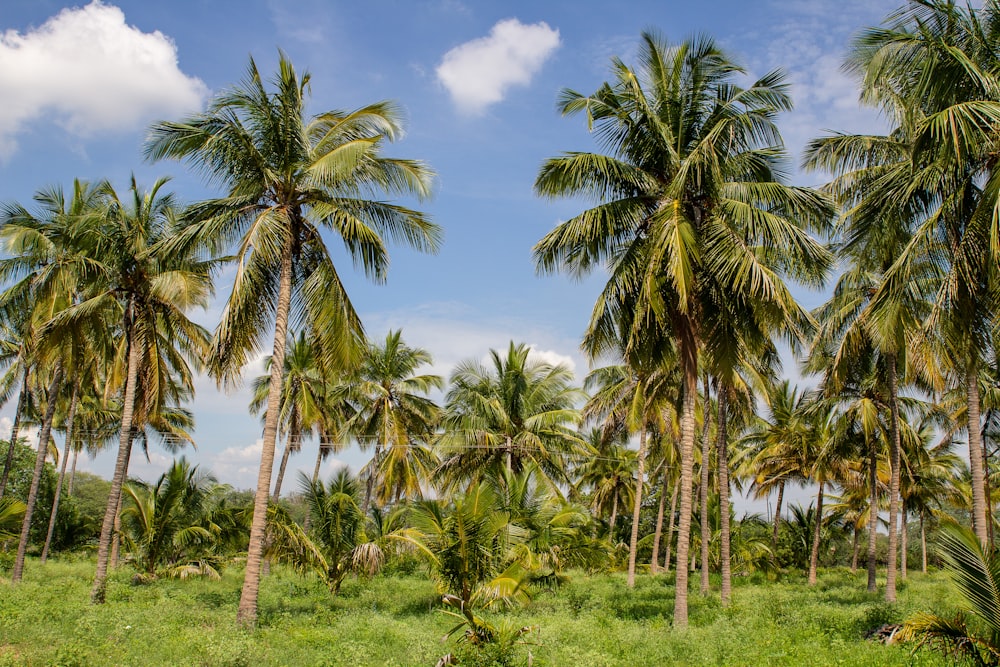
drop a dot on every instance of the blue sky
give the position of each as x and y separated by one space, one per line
478 82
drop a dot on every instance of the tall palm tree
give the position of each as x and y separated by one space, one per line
395 415
690 203
513 412
932 67
138 289
286 177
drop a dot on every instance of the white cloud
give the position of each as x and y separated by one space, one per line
551 357
91 72
479 72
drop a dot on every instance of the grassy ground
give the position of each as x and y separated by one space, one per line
589 622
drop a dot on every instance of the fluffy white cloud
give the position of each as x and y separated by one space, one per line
91 72
478 73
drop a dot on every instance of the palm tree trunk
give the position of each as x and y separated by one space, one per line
979 518
872 514
22 401
923 544
814 556
902 538
97 593
855 549
706 449
71 415
614 516
281 468
777 516
315 477
724 546
670 529
247 612
894 477
370 484
72 470
633 542
689 356
43 450
654 563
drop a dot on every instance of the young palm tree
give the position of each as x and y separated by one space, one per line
287 177
302 398
690 203
395 415
507 415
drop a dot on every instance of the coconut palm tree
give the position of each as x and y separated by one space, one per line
932 68
689 203
608 477
395 415
302 398
503 416
286 177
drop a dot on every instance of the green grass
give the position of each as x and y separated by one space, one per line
590 622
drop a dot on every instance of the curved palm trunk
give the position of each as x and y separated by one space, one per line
706 448
690 366
247 612
293 433
979 518
97 593
654 563
22 400
43 450
872 514
633 542
724 546
894 477
670 529
116 536
814 556
62 472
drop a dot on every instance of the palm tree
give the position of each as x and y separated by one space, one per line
609 477
932 68
511 413
287 177
690 204
394 414
302 398
137 289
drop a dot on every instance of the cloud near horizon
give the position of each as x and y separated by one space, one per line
479 72
90 72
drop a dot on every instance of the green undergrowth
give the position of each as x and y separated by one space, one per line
589 622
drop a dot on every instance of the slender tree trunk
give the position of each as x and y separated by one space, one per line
315 477
633 542
903 538
777 516
72 470
724 543
654 563
97 593
923 544
22 400
43 450
979 519
281 468
116 536
854 549
247 613
690 368
614 516
670 529
370 484
872 514
706 457
71 415
894 477
817 533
